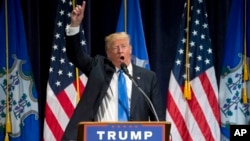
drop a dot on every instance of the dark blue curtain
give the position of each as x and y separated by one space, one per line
161 20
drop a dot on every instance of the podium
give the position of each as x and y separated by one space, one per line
123 131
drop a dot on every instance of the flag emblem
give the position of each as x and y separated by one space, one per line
21 101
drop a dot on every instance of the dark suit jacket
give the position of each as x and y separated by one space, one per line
99 71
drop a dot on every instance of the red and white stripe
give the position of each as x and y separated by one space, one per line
196 119
59 109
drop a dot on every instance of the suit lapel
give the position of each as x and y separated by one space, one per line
109 69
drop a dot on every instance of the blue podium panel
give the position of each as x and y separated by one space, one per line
123 131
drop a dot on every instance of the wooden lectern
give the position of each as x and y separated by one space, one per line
127 131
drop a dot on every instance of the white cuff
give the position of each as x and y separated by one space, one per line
70 31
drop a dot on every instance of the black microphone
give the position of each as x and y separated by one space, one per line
149 102
125 70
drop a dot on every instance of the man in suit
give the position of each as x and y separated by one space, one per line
100 99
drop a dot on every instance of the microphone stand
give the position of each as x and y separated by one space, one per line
150 104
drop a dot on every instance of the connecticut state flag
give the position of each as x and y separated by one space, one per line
19 118
234 78
134 28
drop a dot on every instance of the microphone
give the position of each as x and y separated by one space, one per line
149 102
125 70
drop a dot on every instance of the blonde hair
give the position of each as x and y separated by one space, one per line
115 36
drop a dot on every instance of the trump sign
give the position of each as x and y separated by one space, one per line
125 131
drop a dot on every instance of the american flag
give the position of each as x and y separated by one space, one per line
62 95
197 118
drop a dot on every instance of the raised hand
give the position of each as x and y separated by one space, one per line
77 14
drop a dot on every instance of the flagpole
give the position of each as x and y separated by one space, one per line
77 71
187 91
125 15
245 69
8 123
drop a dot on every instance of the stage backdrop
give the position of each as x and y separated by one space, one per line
161 21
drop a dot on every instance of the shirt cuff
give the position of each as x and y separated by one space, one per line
70 31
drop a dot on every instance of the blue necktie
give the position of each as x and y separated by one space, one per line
123 111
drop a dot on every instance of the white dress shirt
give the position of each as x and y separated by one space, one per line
108 110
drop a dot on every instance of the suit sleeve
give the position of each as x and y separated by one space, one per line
76 53
157 99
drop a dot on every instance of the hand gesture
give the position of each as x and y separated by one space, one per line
77 14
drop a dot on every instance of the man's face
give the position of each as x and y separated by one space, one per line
119 51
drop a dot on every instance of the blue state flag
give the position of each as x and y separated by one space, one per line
16 77
135 30
233 110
